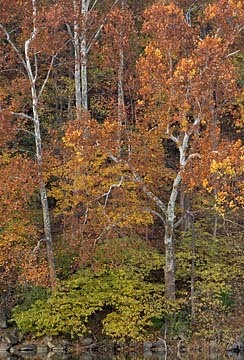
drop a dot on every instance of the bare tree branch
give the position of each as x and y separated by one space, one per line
97 33
37 247
93 5
139 181
70 31
28 42
13 46
110 189
26 131
22 115
46 78
234 223
149 193
50 69
192 156
171 136
156 213
233 53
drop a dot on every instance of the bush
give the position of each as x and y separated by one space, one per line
124 296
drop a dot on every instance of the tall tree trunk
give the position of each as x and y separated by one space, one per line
76 44
43 193
84 86
170 217
83 54
214 136
121 100
169 270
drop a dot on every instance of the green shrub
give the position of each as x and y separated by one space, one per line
29 295
132 300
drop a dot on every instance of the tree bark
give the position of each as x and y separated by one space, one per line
82 47
43 193
76 44
169 270
84 86
83 54
121 100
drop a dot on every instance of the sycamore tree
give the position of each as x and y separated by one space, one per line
188 83
84 21
24 42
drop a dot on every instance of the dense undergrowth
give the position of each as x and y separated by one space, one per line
124 299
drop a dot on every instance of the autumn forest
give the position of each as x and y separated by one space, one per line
122 168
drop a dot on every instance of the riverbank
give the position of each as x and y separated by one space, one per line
15 346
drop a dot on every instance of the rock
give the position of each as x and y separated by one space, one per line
12 351
86 341
147 345
181 346
28 347
236 347
3 318
49 343
42 349
159 349
4 346
159 346
160 342
59 348
11 339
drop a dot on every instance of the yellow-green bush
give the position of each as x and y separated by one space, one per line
123 296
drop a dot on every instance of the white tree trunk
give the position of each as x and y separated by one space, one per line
32 72
76 44
83 54
169 271
170 221
43 193
82 48
84 88
121 100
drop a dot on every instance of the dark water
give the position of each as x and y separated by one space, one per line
131 356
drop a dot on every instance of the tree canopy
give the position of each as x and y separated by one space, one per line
122 162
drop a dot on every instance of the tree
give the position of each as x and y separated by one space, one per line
30 54
186 86
17 231
84 31
119 55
